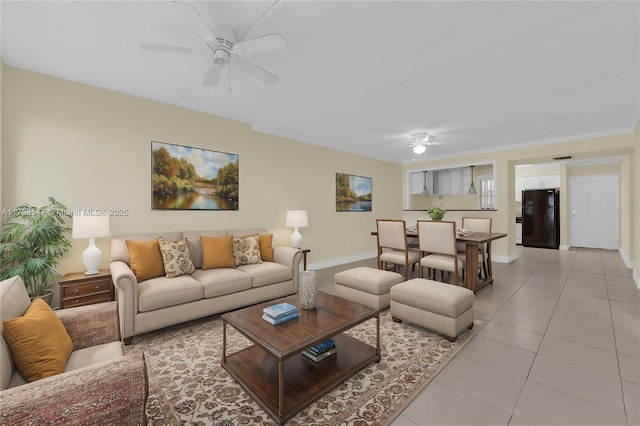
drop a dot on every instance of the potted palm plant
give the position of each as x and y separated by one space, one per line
32 242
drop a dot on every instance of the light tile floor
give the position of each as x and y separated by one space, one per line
561 346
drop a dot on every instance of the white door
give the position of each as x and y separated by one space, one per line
594 212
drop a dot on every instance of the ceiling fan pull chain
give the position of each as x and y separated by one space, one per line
229 66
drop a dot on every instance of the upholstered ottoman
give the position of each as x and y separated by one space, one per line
445 308
367 286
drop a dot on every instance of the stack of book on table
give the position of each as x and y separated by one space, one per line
277 314
321 351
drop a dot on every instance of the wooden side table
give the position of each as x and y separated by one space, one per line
78 289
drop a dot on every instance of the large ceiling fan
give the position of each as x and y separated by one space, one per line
225 48
420 141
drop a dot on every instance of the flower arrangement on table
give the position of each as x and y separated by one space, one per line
436 213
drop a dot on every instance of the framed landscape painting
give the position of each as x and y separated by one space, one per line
353 193
187 178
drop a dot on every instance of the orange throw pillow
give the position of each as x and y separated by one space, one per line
266 250
39 343
217 252
146 259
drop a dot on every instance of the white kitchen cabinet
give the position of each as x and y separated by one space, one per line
542 182
518 233
442 182
551 181
417 181
455 181
535 182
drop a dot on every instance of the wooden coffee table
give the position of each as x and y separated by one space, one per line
274 371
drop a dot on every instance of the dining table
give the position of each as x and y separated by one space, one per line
472 242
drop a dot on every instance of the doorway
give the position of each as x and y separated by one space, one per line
594 211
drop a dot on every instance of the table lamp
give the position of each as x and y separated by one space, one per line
297 219
92 227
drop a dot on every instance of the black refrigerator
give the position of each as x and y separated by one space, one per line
541 218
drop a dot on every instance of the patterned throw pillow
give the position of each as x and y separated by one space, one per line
176 257
246 250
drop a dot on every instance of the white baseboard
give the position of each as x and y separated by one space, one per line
564 247
504 259
342 260
628 262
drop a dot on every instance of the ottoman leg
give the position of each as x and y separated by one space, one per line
396 319
470 326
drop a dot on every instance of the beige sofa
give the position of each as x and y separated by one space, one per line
160 302
100 385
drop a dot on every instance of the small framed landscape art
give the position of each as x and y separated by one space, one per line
353 193
187 178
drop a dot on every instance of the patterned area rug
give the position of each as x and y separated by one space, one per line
187 384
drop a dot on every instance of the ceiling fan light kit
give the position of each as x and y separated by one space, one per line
420 141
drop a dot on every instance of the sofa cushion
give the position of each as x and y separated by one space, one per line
221 281
94 354
176 257
246 250
266 247
146 259
217 252
161 292
194 244
266 273
39 343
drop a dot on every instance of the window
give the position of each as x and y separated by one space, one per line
487 192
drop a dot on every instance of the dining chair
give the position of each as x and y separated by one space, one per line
393 247
438 240
476 224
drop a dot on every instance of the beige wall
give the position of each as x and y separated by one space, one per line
1 136
91 148
635 206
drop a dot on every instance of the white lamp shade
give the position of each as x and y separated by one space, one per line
297 219
90 226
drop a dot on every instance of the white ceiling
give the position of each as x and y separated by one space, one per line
361 76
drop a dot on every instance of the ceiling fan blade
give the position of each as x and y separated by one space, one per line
168 48
260 44
212 76
186 8
260 73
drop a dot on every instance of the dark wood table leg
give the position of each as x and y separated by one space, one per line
224 341
281 388
471 266
378 337
489 267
